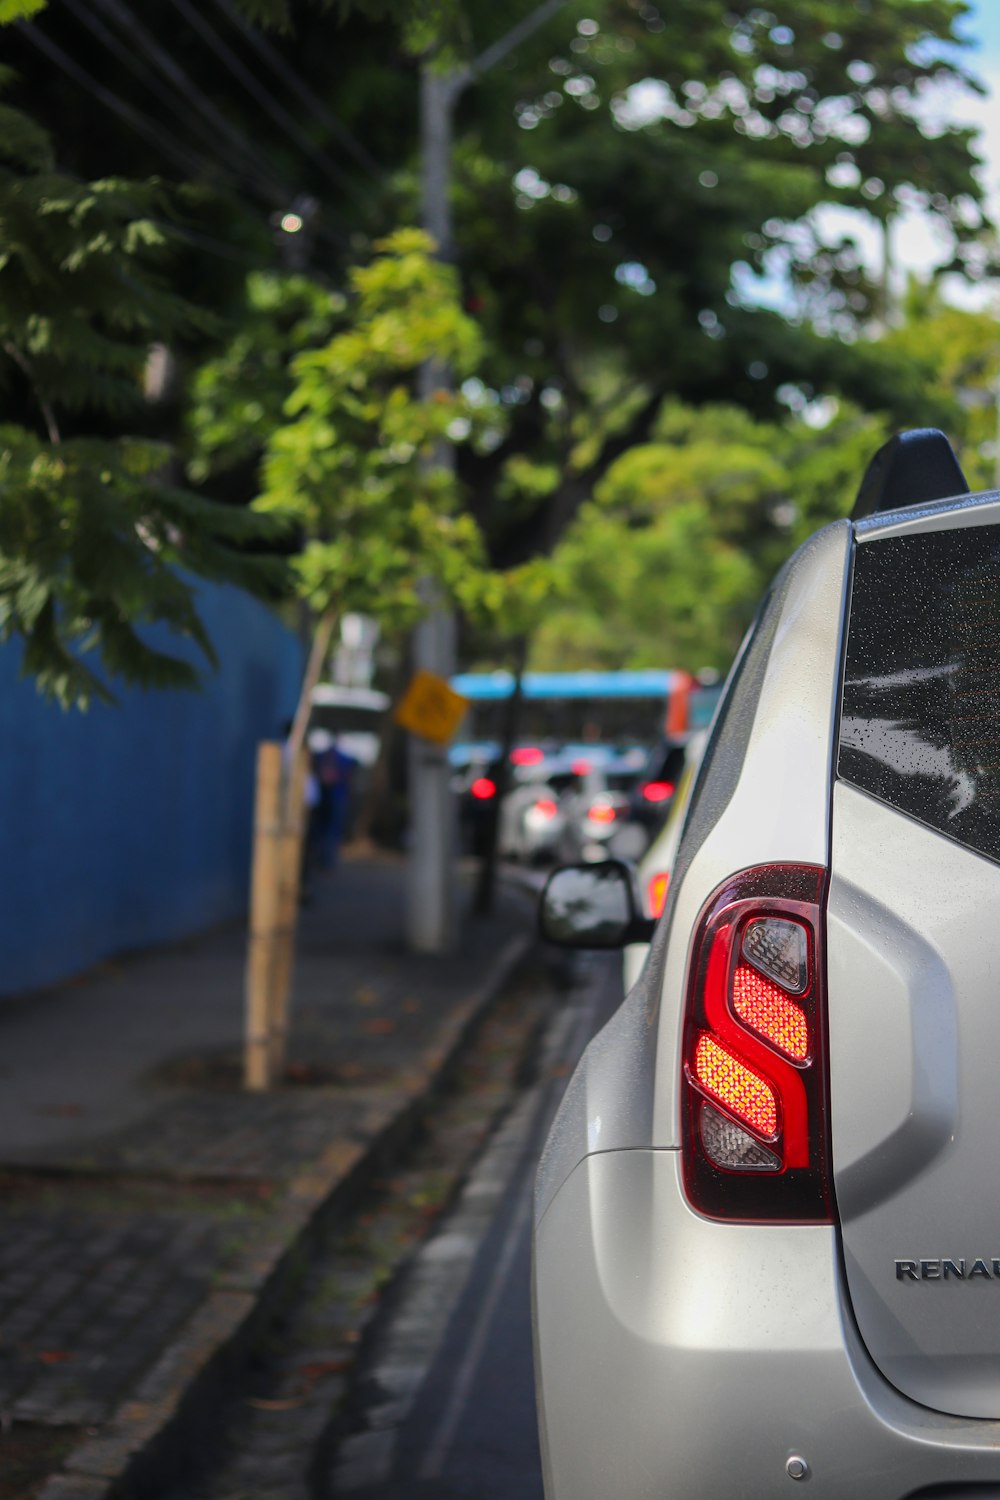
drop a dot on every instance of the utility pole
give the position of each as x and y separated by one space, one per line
431 883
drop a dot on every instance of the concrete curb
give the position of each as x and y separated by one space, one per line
169 1415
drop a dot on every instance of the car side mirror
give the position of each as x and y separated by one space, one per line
593 906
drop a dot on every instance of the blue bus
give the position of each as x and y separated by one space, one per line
637 707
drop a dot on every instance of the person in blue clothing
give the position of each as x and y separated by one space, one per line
333 769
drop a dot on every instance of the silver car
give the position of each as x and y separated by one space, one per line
767 1219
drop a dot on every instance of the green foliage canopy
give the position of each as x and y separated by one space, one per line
669 559
92 534
349 466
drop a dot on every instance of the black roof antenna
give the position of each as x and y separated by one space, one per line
912 468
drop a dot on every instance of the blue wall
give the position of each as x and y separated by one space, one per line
131 825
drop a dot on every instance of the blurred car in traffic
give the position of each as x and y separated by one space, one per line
595 798
765 1245
656 785
657 864
531 820
528 817
565 802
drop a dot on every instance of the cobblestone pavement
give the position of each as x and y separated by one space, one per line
111 1240
275 1431
92 1285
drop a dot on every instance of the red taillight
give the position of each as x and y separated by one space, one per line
483 788
743 1092
755 1133
601 812
656 892
546 808
580 768
766 1009
526 755
658 791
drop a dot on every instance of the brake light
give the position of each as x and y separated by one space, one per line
580 768
755 1112
526 755
656 892
658 791
602 812
743 1092
483 788
546 808
766 1009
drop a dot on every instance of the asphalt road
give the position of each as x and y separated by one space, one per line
444 1401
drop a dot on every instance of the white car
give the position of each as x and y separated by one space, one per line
767 1217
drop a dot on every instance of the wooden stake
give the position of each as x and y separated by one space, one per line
279 821
293 832
264 915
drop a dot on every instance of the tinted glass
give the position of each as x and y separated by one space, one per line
665 764
920 727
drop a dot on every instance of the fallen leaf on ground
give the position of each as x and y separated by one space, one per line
380 1026
320 1368
55 1356
308 1377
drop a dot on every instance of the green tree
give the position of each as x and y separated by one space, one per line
95 541
621 187
667 562
347 467
620 178
957 353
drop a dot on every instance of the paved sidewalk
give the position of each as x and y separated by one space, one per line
149 1204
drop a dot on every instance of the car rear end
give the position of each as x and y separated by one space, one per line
657 863
767 1246
654 789
596 803
532 822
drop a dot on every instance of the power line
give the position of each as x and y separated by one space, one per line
211 244
191 94
288 75
266 100
155 85
245 162
143 125
124 54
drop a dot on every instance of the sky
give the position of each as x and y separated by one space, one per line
983 28
916 246
920 242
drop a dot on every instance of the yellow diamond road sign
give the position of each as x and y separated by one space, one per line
431 708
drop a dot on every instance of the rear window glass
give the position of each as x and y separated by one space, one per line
920 726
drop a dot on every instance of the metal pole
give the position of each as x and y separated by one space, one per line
431 883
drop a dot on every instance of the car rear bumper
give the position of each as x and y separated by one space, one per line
679 1356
